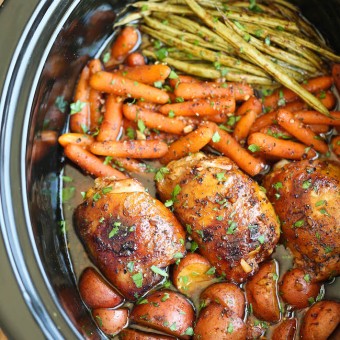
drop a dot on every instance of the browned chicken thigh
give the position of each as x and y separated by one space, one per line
128 234
229 215
306 197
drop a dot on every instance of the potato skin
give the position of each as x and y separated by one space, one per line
193 268
320 320
227 295
167 311
296 290
111 321
96 292
285 330
216 322
261 292
134 334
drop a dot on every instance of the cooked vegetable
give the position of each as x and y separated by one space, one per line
112 83
285 330
278 147
75 138
261 292
217 322
112 120
297 288
320 320
228 295
96 292
167 311
124 43
90 163
111 321
134 334
336 145
193 274
313 117
190 143
300 131
135 59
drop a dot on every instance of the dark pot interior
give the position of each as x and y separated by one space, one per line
61 37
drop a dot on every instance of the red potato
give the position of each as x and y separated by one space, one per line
261 292
146 74
216 322
228 295
134 334
96 292
191 275
285 330
296 288
255 328
135 59
111 321
320 321
166 311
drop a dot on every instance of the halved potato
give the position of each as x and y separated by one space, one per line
134 334
216 322
193 274
228 295
285 330
320 320
296 288
96 292
261 292
111 321
167 311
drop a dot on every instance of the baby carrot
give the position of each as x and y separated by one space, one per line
319 128
300 131
190 143
248 111
285 95
148 105
184 79
218 118
336 145
121 47
135 59
153 120
90 163
146 74
121 86
130 148
79 139
263 121
314 117
276 131
130 165
95 97
228 146
112 121
80 118
278 147
212 89
336 76
199 107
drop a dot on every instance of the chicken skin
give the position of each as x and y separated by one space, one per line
306 197
228 214
128 234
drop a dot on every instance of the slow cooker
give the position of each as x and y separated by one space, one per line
44 45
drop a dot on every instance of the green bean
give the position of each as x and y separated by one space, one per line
206 71
263 8
275 52
202 52
162 7
238 42
127 19
287 4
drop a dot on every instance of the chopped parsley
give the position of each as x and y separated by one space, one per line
216 137
138 280
211 271
77 107
159 271
160 173
61 104
254 148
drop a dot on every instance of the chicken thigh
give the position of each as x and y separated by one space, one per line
306 197
128 234
228 214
